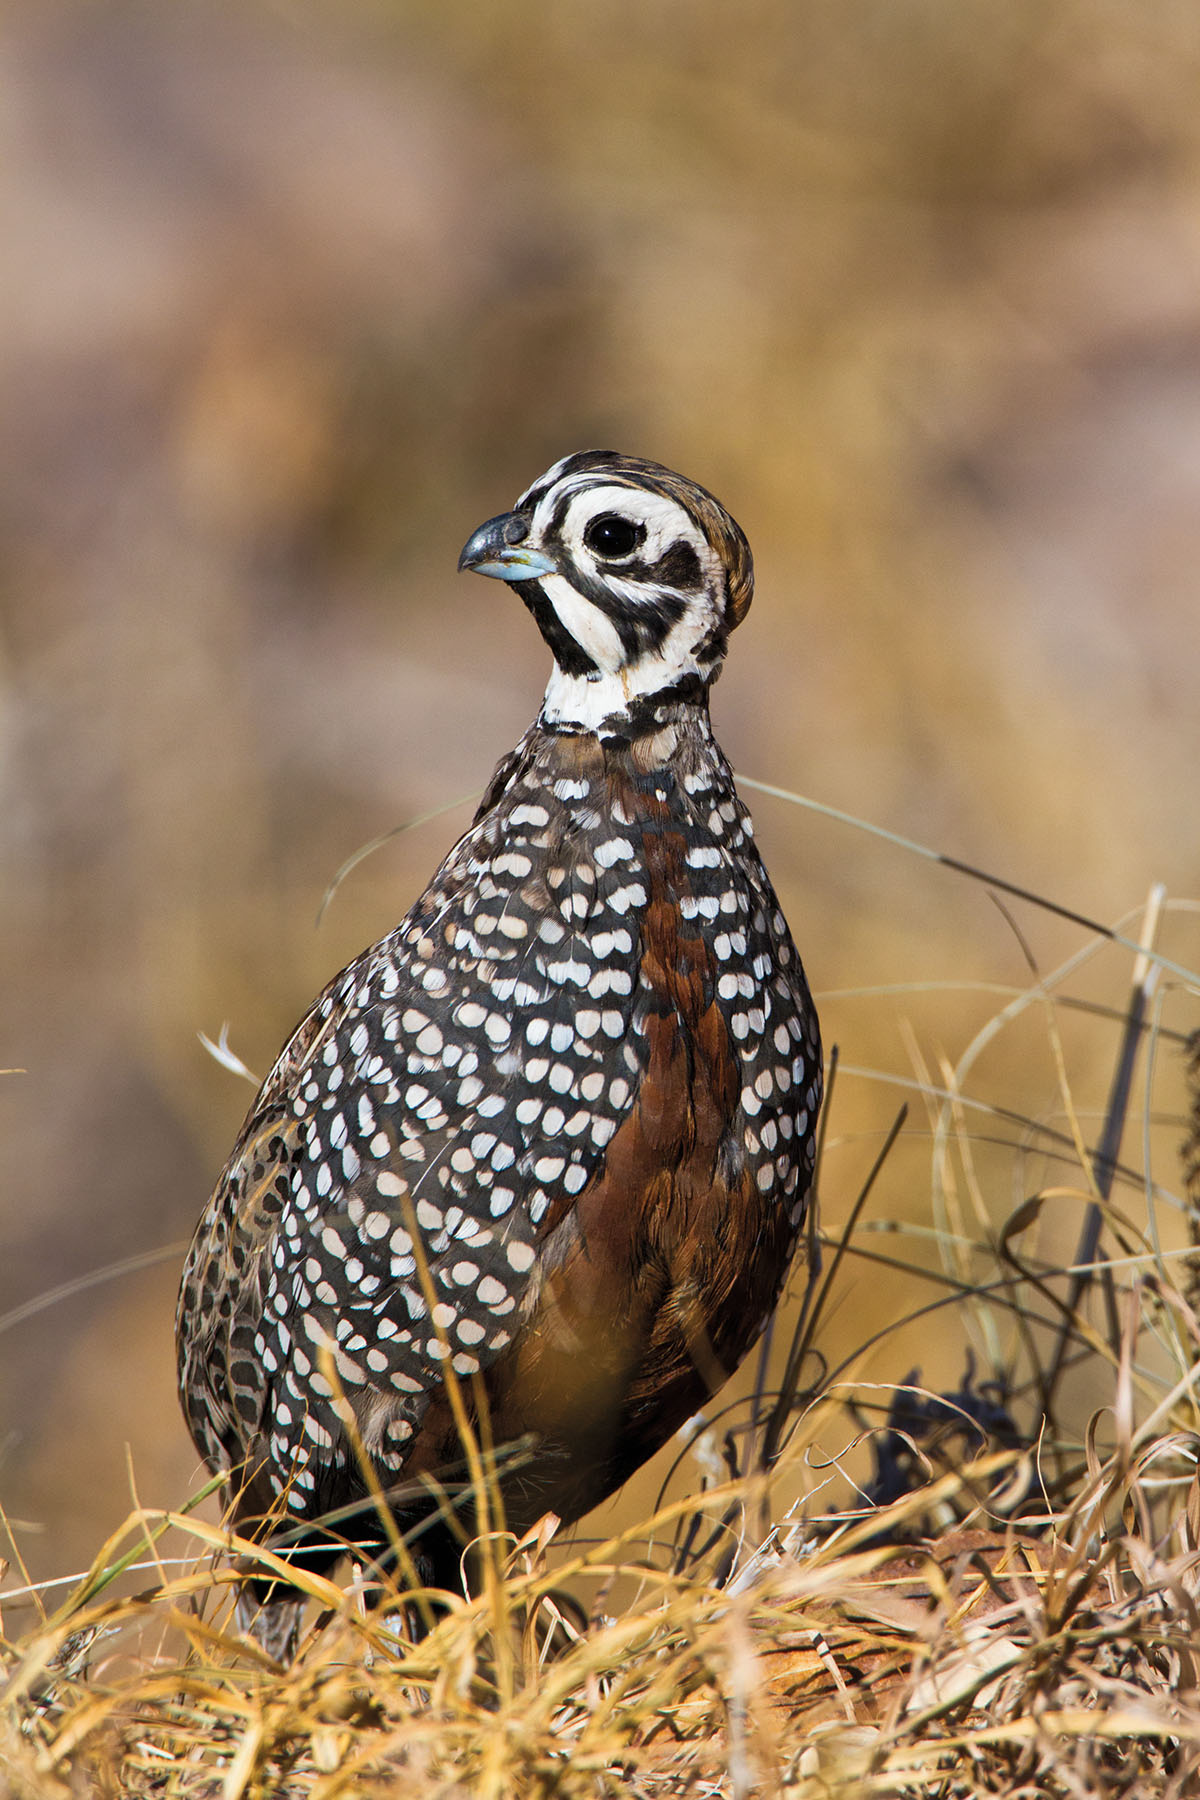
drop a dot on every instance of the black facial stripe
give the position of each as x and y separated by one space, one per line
678 567
553 531
571 659
590 459
532 497
574 465
640 628
677 571
712 645
570 494
641 631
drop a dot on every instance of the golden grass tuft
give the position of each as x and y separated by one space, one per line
984 1661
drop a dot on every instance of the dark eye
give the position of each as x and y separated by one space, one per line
613 537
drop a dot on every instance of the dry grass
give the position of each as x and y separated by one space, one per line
1007 1604
986 1661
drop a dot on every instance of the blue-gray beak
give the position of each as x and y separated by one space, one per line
498 549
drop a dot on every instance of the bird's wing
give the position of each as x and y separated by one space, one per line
381 1214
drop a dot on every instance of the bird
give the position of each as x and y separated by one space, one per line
545 1151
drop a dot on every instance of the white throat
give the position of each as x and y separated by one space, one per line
591 702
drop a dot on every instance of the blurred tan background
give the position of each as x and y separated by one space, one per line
293 296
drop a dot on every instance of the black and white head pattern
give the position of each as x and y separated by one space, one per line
634 575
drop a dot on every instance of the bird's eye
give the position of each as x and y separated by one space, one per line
613 537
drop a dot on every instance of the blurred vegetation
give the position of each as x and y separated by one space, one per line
292 297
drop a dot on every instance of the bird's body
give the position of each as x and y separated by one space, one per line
556 1128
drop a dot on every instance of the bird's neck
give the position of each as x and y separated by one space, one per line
635 699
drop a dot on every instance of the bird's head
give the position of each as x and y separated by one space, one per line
635 577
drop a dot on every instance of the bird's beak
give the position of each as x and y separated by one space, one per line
498 549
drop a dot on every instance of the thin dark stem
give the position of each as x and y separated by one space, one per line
1107 1152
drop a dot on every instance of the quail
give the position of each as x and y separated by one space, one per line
551 1140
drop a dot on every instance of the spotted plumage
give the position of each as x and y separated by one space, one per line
556 1129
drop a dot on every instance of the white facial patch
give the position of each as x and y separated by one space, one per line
591 629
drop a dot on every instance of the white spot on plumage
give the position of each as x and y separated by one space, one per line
614 851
